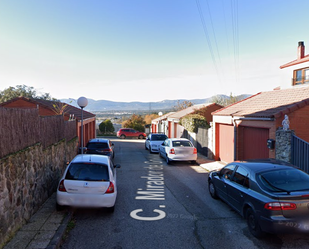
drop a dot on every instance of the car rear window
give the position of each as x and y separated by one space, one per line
88 172
182 144
97 146
158 137
284 180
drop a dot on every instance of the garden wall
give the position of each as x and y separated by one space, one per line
202 140
33 155
27 179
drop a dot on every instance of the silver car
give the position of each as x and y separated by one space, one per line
88 181
178 149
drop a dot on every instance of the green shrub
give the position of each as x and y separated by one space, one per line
193 122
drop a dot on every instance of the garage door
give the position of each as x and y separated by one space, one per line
254 143
226 143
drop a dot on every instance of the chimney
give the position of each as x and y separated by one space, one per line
300 50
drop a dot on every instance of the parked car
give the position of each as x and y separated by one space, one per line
178 149
100 146
128 132
153 141
272 195
88 181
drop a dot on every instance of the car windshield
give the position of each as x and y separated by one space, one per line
182 144
158 138
97 146
88 172
284 180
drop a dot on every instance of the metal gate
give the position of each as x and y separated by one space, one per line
300 153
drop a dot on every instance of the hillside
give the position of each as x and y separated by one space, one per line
106 105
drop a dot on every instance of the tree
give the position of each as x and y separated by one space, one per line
225 101
182 105
106 126
135 122
149 117
21 91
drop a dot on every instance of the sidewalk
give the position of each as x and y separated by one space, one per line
208 164
44 230
47 226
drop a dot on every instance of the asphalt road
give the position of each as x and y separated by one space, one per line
165 206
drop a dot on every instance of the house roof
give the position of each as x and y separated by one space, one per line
295 62
68 109
272 104
165 116
189 110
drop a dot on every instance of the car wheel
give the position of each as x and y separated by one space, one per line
146 147
140 137
212 190
59 207
193 162
150 149
111 209
168 161
123 136
253 224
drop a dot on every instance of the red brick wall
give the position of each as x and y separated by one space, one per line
299 120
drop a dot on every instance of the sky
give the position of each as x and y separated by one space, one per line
148 50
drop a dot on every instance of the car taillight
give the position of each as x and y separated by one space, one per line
107 150
62 187
275 206
172 151
195 151
110 189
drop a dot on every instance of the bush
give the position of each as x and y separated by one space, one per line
193 122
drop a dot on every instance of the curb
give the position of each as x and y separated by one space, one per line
57 239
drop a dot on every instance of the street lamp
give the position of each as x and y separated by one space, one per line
82 102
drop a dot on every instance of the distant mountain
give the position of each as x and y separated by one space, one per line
105 105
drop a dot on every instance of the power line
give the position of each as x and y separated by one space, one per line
207 37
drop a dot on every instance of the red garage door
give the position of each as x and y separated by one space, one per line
254 143
226 143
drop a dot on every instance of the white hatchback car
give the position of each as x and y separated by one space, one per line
178 149
153 141
88 181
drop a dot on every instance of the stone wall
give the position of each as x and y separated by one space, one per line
27 179
284 145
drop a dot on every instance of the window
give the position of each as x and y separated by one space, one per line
284 180
241 177
227 171
88 172
182 144
301 76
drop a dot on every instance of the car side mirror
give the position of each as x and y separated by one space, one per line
117 166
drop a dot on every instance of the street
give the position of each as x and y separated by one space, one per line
165 206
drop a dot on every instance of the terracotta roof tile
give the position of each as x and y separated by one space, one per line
295 62
268 104
189 110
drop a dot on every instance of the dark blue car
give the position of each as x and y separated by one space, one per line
272 195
